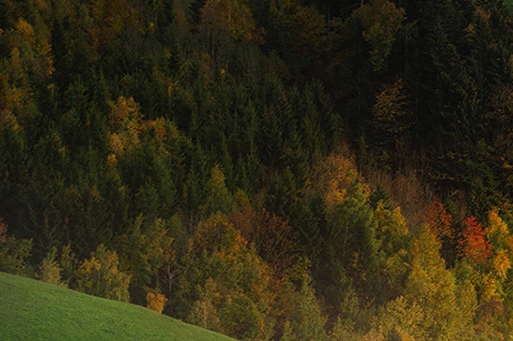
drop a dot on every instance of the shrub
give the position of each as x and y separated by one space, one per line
49 269
155 301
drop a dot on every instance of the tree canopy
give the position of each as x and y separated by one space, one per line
278 170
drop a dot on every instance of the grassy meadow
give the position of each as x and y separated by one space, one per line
34 310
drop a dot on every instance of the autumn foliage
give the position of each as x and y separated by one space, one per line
439 221
193 156
100 275
156 301
473 243
271 236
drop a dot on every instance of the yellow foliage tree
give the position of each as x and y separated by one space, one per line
155 301
501 239
493 281
100 276
49 269
400 320
433 288
333 177
129 129
235 291
501 264
393 235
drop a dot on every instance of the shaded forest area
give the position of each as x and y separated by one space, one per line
273 169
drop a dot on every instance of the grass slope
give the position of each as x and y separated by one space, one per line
33 310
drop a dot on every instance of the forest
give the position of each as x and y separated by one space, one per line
286 170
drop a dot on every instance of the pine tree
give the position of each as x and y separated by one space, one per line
307 321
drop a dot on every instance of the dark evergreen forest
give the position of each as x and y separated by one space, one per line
270 169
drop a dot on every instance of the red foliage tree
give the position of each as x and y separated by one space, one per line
473 244
438 220
272 237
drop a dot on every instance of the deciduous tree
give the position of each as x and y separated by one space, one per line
473 243
100 276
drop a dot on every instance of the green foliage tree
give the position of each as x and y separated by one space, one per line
131 124
380 21
219 198
68 263
349 247
297 32
13 252
392 117
203 312
307 320
145 251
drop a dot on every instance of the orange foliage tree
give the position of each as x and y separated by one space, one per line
272 237
473 244
155 301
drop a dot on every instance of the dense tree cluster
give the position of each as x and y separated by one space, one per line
265 169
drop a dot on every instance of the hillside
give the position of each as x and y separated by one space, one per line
281 170
34 310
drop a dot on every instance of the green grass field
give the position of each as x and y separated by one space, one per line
33 310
